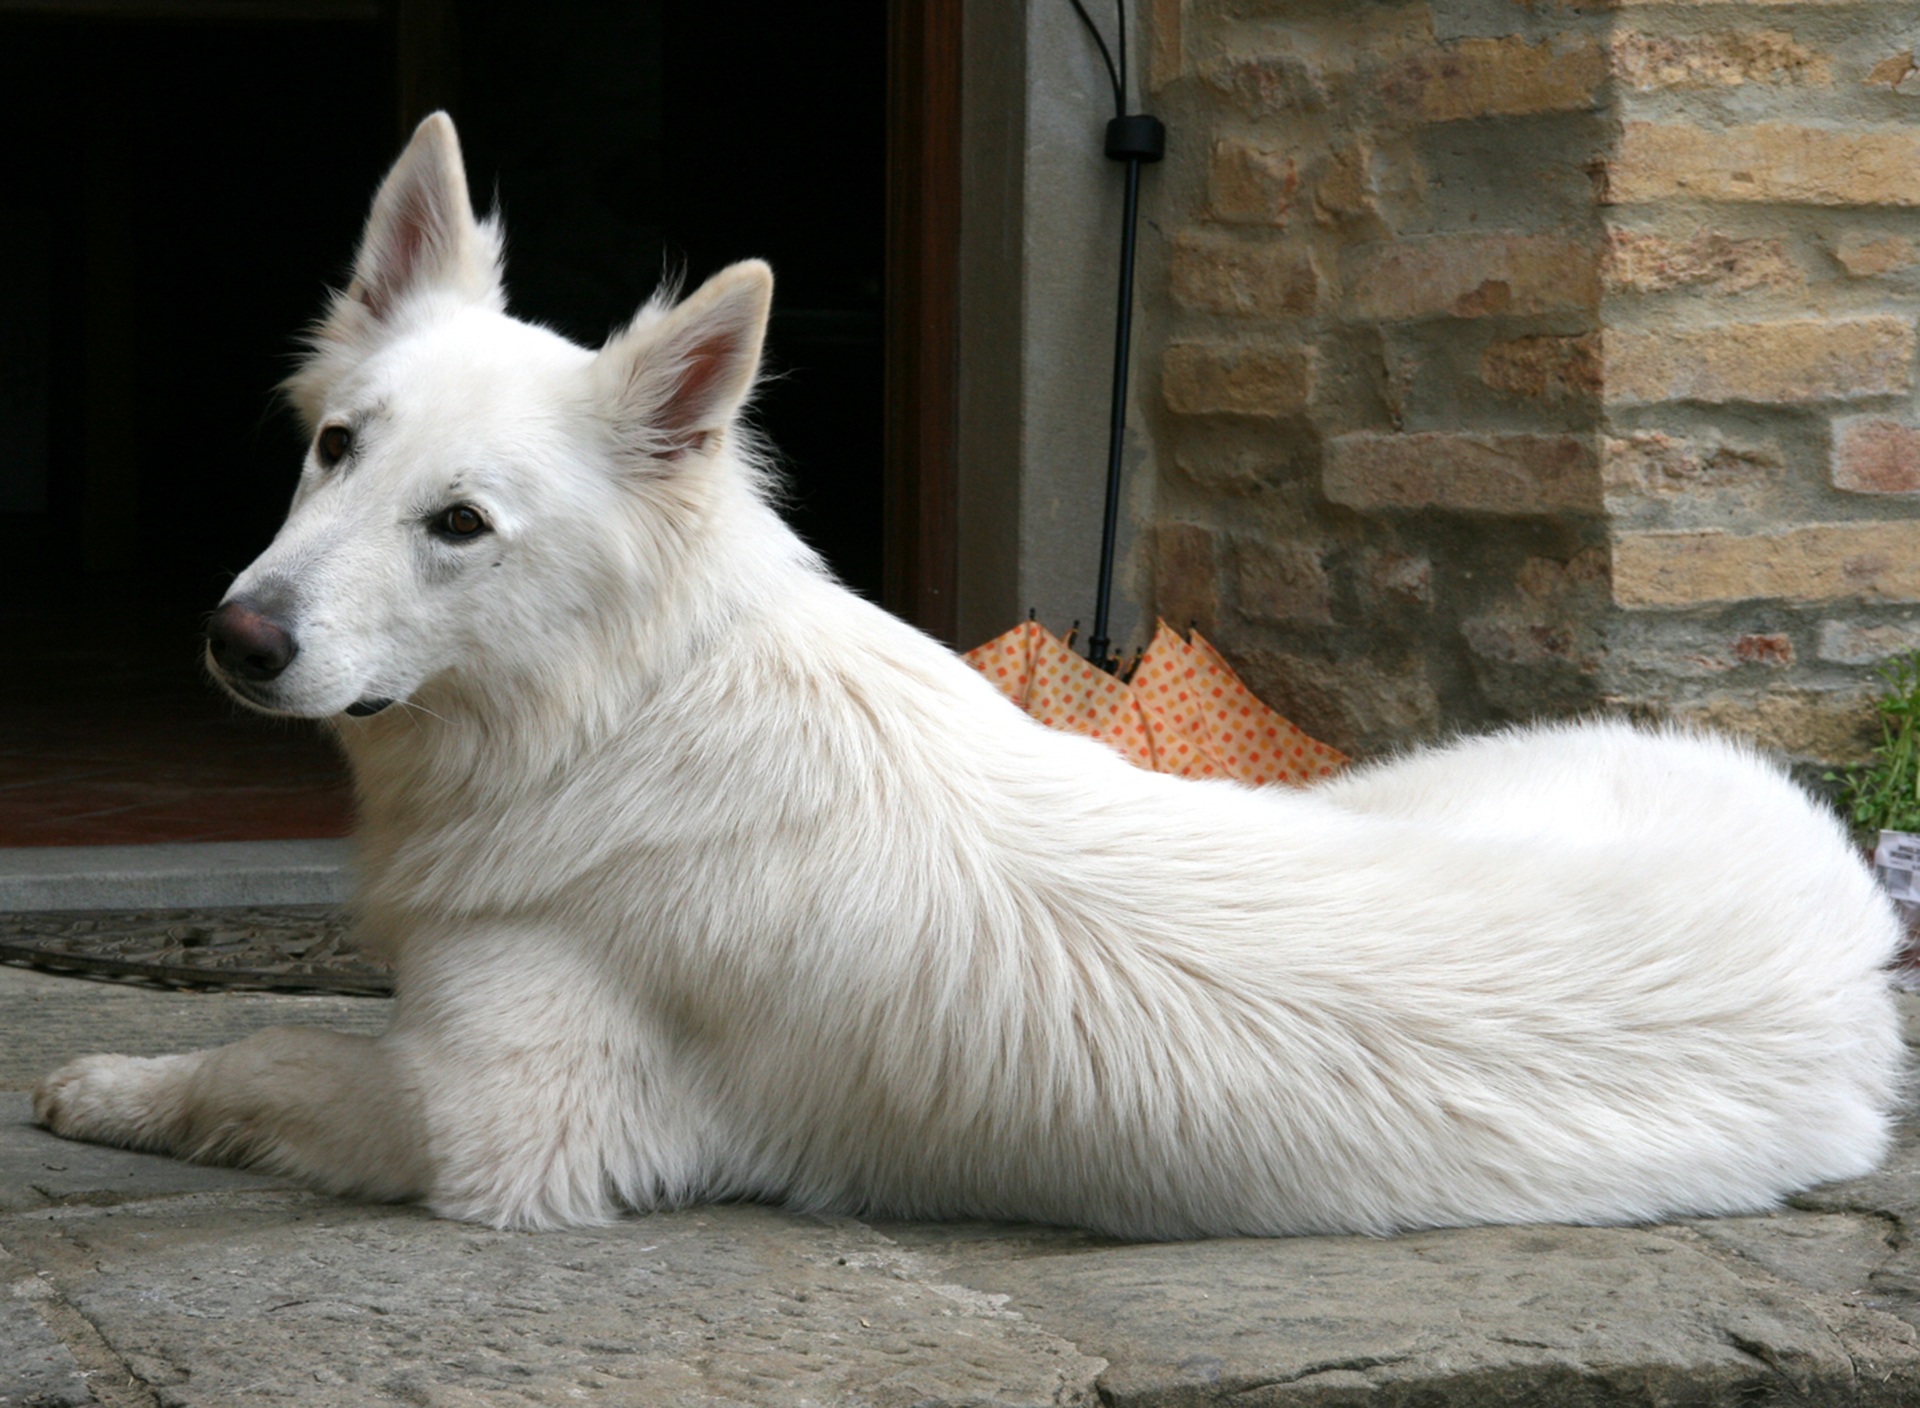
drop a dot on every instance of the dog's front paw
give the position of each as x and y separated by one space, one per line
131 1101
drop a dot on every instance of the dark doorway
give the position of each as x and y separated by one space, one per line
630 142
181 189
171 218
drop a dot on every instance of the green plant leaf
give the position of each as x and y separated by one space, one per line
1883 794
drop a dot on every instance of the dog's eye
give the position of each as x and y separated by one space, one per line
333 444
460 521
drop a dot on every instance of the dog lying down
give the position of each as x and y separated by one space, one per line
706 879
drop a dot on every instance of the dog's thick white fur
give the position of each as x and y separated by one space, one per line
706 878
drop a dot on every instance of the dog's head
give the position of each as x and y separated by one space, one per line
479 494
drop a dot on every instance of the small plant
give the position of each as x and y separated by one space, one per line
1884 794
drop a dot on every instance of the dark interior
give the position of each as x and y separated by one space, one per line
177 194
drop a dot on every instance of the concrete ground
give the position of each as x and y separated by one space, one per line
131 1280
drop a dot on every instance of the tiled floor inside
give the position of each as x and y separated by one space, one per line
112 734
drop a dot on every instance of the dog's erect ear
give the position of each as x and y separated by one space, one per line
422 235
422 246
674 378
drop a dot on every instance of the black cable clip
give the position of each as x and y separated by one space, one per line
1137 137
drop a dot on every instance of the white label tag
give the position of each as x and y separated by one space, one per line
1896 860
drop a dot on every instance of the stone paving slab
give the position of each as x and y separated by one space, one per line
262 1298
1559 1315
144 1282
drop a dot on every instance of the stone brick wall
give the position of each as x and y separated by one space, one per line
1530 358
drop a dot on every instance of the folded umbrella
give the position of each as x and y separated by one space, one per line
1182 709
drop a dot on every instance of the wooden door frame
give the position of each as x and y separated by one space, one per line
922 312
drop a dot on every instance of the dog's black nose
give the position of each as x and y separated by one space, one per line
247 643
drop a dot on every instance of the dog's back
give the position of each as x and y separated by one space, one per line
988 970
926 957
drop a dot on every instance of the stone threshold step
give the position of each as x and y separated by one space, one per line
174 875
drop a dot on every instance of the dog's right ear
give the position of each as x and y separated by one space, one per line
422 237
421 247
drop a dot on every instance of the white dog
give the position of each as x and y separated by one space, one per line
705 878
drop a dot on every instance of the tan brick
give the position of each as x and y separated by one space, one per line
1241 278
1230 471
1806 359
1544 368
1769 161
1501 77
1344 190
1869 561
1875 455
1699 659
1282 582
1266 85
1548 619
1545 580
1684 5
1851 643
1866 256
1722 60
1391 578
1508 640
1166 42
1652 462
1215 379
1503 474
1806 725
1705 657
1473 276
1251 185
1896 71
1186 575
1344 31
1636 262
1358 705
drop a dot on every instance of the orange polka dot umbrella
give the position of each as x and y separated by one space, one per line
1183 710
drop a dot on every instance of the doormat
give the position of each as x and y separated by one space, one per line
287 948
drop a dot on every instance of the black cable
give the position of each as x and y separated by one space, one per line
1099 645
1113 75
1137 140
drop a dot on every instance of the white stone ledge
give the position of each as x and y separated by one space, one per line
186 875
